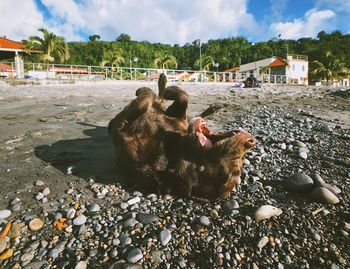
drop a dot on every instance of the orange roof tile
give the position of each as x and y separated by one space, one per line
234 69
5 67
10 44
278 62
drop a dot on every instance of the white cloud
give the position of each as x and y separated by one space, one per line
314 22
178 21
337 5
19 19
277 8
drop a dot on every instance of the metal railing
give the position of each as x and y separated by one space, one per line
85 72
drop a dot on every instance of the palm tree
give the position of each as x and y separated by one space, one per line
50 45
164 61
329 68
208 62
112 58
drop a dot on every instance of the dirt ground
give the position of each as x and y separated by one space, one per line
48 130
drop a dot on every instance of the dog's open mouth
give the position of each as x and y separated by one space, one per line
206 137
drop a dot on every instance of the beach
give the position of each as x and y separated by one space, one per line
56 134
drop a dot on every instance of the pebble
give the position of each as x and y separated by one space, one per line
262 242
39 196
318 180
81 265
323 195
16 207
266 212
3 245
39 183
95 208
134 200
79 220
204 220
165 237
129 223
36 224
298 144
230 205
299 183
332 188
71 213
5 214
46 191
145 218
302 155
134 255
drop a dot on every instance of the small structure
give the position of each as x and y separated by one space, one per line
6 70
10 49
293 70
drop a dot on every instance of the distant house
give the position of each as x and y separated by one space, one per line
10 49
293 70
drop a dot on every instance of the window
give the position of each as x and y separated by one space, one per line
293 67
303 68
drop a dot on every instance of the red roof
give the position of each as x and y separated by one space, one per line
234 69
278 62
10 44
5 67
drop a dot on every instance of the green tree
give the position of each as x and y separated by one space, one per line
112 58
51 46
328 68
123 38
207 63
165 61
94 38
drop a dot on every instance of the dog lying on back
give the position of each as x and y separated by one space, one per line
158 150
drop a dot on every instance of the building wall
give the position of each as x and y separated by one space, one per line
297 71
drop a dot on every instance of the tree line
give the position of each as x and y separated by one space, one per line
329 56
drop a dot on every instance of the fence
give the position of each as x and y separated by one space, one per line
84 72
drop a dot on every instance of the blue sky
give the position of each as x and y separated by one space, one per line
174 22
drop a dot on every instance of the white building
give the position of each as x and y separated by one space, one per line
293 70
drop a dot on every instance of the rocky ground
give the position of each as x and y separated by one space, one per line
63 205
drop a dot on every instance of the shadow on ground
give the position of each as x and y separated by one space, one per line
90 157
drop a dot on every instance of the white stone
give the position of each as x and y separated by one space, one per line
5 214
266 212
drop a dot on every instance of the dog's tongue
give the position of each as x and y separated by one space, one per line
205 142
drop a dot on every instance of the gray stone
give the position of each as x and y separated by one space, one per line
145 218
298 144
165 236
204 220
39 196
134 255
71 213
323 195
332 188
80 220
230 205
262 242
318 180
299 183
302 155
124 240
95 208
130 223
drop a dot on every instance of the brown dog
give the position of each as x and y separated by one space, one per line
158 150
